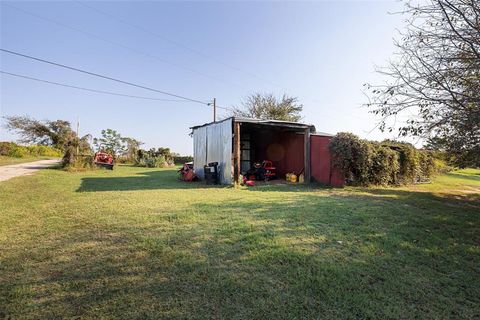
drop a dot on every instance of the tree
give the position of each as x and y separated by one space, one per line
269 107
53 133
110 142
76 147
435 78
56 133
131 147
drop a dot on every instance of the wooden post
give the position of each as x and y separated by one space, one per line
306 152
236 152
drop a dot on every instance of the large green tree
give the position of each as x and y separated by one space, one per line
269 107
111 141
434 78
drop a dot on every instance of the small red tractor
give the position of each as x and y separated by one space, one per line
187 173
261 171
104 160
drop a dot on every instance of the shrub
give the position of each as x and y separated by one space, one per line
18 152
441 166
387 163
155 158
124 160
151 162
80 163
6 148
426 166
11 149
352 156
384 167
182 159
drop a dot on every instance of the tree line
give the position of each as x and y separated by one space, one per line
77 151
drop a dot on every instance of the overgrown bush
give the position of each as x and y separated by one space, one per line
124 160
364 162
80 163
441 165
151 162
182 159
352 156
384 167
11 149
154 158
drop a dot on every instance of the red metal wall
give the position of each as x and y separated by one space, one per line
284 149
320 163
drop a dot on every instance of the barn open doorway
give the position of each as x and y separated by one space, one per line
285 144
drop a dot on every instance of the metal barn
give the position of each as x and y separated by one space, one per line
236 143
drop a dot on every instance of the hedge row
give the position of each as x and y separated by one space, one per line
364 162
153 162
11 149
182 159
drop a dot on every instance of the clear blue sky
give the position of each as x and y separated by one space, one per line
321 52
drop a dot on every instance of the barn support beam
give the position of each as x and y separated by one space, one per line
306 157
236 153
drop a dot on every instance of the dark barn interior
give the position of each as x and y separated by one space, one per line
282 143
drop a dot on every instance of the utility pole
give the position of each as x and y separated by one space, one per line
78 131
214 109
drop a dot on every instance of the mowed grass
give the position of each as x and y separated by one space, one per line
135 243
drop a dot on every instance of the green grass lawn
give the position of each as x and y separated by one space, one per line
5 161
135 243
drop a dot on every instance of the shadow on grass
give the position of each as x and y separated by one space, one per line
149 180
470 197
376 255
474 177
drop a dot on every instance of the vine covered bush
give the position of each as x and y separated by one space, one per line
177 159
154 158
364 162
159 158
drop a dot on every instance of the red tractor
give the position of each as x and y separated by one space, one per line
261 171
187 173
104 160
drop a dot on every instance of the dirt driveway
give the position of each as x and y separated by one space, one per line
23 169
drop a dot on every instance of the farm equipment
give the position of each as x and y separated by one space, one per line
262 171
187 173
270 170
104 160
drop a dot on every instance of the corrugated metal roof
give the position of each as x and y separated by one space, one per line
280 123
323 134
209 123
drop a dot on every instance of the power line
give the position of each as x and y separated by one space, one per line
150 55
174 42
87 89
104 77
